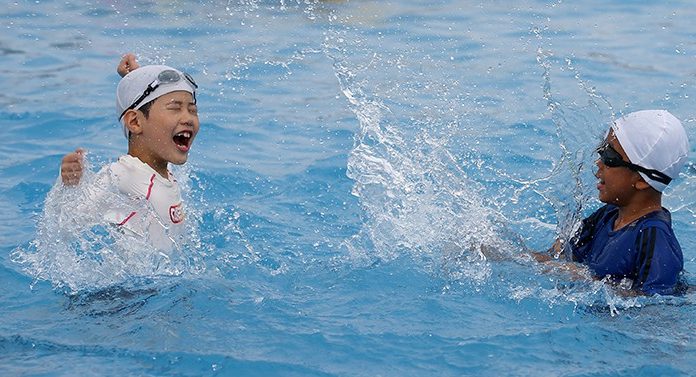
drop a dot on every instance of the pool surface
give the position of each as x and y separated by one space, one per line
354 159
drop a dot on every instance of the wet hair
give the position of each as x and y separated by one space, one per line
145 109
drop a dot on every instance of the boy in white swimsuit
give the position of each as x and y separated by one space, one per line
157 108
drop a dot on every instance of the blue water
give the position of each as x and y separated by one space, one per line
354 157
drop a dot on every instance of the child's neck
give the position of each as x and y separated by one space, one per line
159 166
162 170
632 212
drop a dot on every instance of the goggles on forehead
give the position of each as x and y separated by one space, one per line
611 158
168 76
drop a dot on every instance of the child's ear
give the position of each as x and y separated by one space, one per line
641 184
132 122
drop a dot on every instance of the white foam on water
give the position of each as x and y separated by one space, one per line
77 249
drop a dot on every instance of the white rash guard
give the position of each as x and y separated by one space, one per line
165 219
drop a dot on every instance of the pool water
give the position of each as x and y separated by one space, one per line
354 159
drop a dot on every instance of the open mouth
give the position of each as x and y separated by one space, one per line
183 140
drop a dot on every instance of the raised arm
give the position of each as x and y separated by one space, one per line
71 167
127 64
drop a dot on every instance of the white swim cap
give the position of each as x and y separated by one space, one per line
653 139
147 83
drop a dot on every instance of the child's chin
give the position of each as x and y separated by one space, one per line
603 199
179 161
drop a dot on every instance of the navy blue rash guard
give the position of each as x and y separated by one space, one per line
645 251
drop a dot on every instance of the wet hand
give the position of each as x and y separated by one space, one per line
127 64
71 167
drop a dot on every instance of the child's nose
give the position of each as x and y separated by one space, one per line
598 166
188 117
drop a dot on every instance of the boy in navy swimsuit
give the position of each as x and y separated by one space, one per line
630 239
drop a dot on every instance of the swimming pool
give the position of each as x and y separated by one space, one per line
353 156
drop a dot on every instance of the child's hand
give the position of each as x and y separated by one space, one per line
71 167
554 252
127 64
575 271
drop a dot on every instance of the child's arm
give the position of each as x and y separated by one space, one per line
554 252
71 167
127 64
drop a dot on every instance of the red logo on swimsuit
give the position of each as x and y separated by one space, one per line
176 213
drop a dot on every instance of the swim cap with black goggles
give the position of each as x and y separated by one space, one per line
611 158
168 76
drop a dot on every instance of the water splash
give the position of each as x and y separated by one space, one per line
417 198
577 128
218 222
447 204
76 249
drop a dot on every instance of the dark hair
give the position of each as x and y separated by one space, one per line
146 108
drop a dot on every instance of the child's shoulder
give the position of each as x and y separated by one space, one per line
133 176
129 166
661 219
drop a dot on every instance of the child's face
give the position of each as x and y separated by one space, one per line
616 184
169 130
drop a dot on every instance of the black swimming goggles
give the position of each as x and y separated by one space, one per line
168 76
611 158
